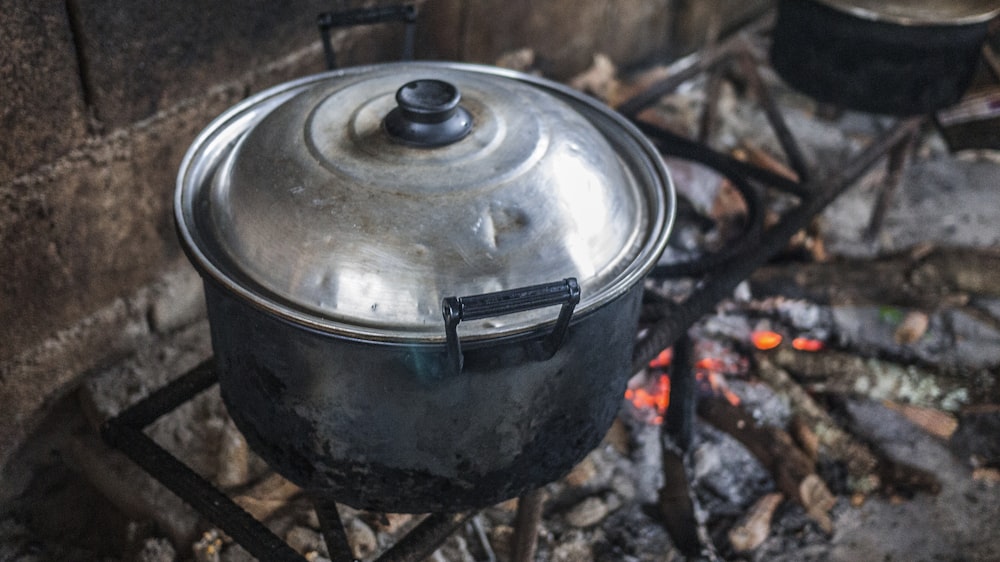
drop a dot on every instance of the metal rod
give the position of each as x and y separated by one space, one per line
992 60
406 13
893 177
252 535
688 67
681 411
722 282
680 72
409 39
422 541
529 516
328 55
337 545
672 144
709 110
165 399
484 541
774 116
676 502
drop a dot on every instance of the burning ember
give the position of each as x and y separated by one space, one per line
765 340
662 361
807 344
712 371
657 398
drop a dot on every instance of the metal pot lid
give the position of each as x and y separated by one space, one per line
919 12
319 202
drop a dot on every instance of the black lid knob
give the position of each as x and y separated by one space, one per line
428 114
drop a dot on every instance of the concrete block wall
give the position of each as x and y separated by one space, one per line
101 98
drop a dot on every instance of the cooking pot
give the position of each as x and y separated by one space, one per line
423 279
901 57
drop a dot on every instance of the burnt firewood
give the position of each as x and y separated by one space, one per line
835 443
836 372
793 472
931 279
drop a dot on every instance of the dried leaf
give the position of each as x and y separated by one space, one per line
935 422
912 328
600 79
762 159
728 204
990 475
755 525
818 501
619 437
521 60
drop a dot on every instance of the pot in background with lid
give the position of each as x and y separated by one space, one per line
900 57
423 279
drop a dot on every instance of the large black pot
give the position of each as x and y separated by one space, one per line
895 57
421 301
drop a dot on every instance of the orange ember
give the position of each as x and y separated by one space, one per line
711 370
710 364
658 398
764 340
662 360
718 386
807 344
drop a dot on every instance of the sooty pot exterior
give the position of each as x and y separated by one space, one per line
392 428
894 57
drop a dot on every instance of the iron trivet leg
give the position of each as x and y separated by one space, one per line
125 433
893 177
676 506
529 516
332 527
422 541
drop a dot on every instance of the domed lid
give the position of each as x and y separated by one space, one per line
920 12
354 201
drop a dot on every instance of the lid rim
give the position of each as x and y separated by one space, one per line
871 10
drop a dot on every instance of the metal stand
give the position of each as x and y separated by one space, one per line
894 173
125 433
406 13
529 516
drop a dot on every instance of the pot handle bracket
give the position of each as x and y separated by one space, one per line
475 307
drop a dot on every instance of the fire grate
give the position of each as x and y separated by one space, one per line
125 433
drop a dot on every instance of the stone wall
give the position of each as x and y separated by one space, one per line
101 98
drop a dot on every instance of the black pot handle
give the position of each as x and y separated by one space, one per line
456 309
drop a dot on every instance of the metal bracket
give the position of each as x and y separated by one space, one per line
406 13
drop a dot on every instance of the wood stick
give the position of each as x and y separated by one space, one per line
942 277
793 472
862 464
838 372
